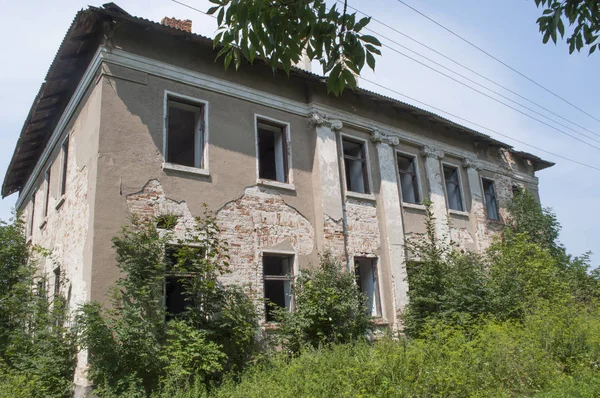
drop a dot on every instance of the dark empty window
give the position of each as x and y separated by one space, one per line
65 161
491 203
57 281
47 198
409 181
185 137
272 151
366 278
180 272
277 275
32 217
453 191
355 165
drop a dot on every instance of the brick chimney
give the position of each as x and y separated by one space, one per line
185 25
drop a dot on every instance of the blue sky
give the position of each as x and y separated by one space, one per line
33 30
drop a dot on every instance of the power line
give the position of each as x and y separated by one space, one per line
497 60
478 125
194 8
451 114
493 98
466 67
480 85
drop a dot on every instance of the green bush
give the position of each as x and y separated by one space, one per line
37 348
329 308
136 347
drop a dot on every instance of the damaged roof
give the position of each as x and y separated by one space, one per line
73 57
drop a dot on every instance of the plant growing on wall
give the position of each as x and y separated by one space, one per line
329 308
138 342
37 347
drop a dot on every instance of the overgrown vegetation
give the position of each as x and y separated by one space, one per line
520 319
329 309
136 345
37 348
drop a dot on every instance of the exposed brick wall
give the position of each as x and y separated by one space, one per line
363 227
181 24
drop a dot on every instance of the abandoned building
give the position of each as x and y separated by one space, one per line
136 116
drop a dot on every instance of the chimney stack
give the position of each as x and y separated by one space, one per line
185 25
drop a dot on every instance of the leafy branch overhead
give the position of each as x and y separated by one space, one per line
280 31
582 15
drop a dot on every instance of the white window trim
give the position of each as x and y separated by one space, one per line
350 194
379 280
419 182
288 137
461 186
295 270
481 178
204 170
47 195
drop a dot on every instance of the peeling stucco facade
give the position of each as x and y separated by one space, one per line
116 167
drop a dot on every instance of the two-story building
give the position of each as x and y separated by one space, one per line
136 116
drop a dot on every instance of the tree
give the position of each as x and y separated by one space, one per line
329 308
136 344
279 31
582 15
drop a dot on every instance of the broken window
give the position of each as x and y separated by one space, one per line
453 190
47 198
65 160
355 164
272 151
409 181
180 273
277 275
185 133
491 203
32 217
366 278
57 281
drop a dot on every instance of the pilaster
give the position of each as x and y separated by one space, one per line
435 178
392 224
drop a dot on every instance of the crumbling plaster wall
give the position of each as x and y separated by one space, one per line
67 231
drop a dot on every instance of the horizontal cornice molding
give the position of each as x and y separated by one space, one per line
236 90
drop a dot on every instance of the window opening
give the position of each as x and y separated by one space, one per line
409 181
272 151
178 277
185 140
57 281
47 198
491 203
32 219
453 192
65 161
277 275
365 270
355 164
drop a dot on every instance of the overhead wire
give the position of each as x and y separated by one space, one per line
443 111
466 67
498 60
477 124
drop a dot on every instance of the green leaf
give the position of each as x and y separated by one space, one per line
228 59
561 28
592 49
372 49
370 60
220 16
350 79
371 39
212 10
362 23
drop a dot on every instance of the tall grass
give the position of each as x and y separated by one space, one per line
553 353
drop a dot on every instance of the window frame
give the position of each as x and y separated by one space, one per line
287 154
204 119
47 193
376 264
460 186
482 178
415 159
180 275
369 185
32 216
290 278
64 164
